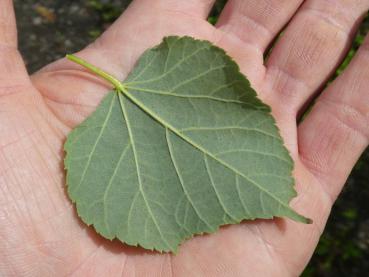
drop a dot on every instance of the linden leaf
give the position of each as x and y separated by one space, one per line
182 147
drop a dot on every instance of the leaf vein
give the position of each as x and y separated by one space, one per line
228 128
166 93
169 71
181 179
188 140
170 47
121 98
254 152
187 81
110 184
240 197
96 143
146 67
215 189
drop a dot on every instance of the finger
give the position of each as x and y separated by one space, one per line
310 49
142 26
336 131
198 8
257 22
8 30
192 8
128 37
12 70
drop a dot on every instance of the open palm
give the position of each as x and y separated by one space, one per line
40 233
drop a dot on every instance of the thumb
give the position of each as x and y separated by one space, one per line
12 69
8 30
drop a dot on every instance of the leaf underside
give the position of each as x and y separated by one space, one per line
187 147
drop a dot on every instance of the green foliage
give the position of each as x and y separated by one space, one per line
183 147
94 33
214 14
357 42
212 20
107 11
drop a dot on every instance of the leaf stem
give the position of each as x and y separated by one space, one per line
99 72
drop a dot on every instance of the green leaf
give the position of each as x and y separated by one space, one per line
182 147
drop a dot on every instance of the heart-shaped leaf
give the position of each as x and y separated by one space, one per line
183 147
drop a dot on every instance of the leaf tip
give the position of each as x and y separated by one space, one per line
302 219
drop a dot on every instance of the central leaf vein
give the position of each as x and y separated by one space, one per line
181 135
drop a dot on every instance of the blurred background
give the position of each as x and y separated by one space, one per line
48 29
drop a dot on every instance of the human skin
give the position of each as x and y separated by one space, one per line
40 233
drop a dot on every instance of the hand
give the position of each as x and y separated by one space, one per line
40 232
